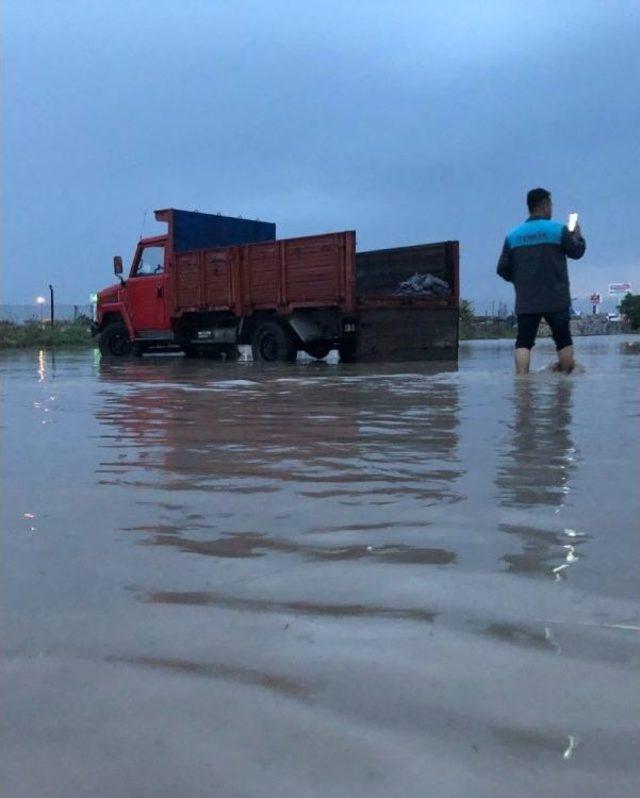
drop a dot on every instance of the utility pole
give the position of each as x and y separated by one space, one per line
52 311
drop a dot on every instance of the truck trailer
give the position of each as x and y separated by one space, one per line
212 283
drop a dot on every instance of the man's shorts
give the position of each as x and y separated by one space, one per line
528 328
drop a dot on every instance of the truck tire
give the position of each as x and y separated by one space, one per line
114 340
319 349
273 343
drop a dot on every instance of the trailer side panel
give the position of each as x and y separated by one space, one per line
400 326
380 272
309 272
407 334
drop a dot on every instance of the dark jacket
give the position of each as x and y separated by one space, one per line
534 259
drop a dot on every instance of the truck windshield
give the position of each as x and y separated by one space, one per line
151 261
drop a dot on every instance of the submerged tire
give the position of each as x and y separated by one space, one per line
318 349
273 343
114 340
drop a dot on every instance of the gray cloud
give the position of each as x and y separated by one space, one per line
409 122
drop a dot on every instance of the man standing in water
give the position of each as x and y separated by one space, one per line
534 259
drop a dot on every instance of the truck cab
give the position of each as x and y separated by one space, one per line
135 310
136 314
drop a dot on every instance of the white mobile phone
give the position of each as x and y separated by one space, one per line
573 221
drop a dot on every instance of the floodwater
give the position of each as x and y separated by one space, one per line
320 580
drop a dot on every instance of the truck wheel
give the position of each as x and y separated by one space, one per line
273 343
114 340
319 349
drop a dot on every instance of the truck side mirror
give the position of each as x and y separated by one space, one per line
117 264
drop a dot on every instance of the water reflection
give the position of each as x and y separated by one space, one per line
218 670
46 365
259 544
523 635
208 598
334 438
535 474
536 468
317 464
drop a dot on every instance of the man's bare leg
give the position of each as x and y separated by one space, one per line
523 358
566 362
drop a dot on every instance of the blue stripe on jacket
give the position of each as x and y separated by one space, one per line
535 232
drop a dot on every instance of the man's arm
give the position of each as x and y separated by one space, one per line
505 267
573 244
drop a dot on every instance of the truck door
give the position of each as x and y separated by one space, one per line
146 290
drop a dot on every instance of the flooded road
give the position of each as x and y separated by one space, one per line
320 579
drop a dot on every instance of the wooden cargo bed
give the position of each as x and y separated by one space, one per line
404 327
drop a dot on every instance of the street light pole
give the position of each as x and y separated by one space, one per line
52 313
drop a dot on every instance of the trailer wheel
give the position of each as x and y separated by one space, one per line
114 340
272 343
319 349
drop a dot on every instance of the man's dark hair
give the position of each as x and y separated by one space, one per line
536 197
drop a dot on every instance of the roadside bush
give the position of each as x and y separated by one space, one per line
39 334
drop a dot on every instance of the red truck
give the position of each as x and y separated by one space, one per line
212 283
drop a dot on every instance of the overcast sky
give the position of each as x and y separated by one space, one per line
409 122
